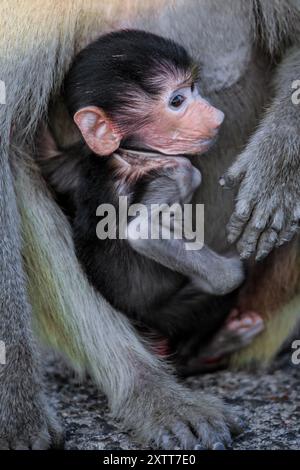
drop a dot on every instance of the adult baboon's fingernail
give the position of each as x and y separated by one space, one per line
218 446
199 447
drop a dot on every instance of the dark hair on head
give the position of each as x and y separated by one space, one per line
104 71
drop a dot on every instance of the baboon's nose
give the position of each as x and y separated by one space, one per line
218 118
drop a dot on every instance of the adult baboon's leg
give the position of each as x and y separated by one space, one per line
25 420
141 390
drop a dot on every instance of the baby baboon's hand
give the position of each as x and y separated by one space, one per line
267 211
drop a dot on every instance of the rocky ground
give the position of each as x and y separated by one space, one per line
270 402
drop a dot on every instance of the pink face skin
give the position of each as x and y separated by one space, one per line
179 121
184 123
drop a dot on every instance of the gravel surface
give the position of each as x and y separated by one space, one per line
269 401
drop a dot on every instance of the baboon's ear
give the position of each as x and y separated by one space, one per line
97 130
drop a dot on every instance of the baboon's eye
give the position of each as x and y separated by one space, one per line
176 101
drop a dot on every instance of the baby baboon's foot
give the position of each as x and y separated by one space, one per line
242 327
31 425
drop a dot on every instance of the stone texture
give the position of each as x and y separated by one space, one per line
269 401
